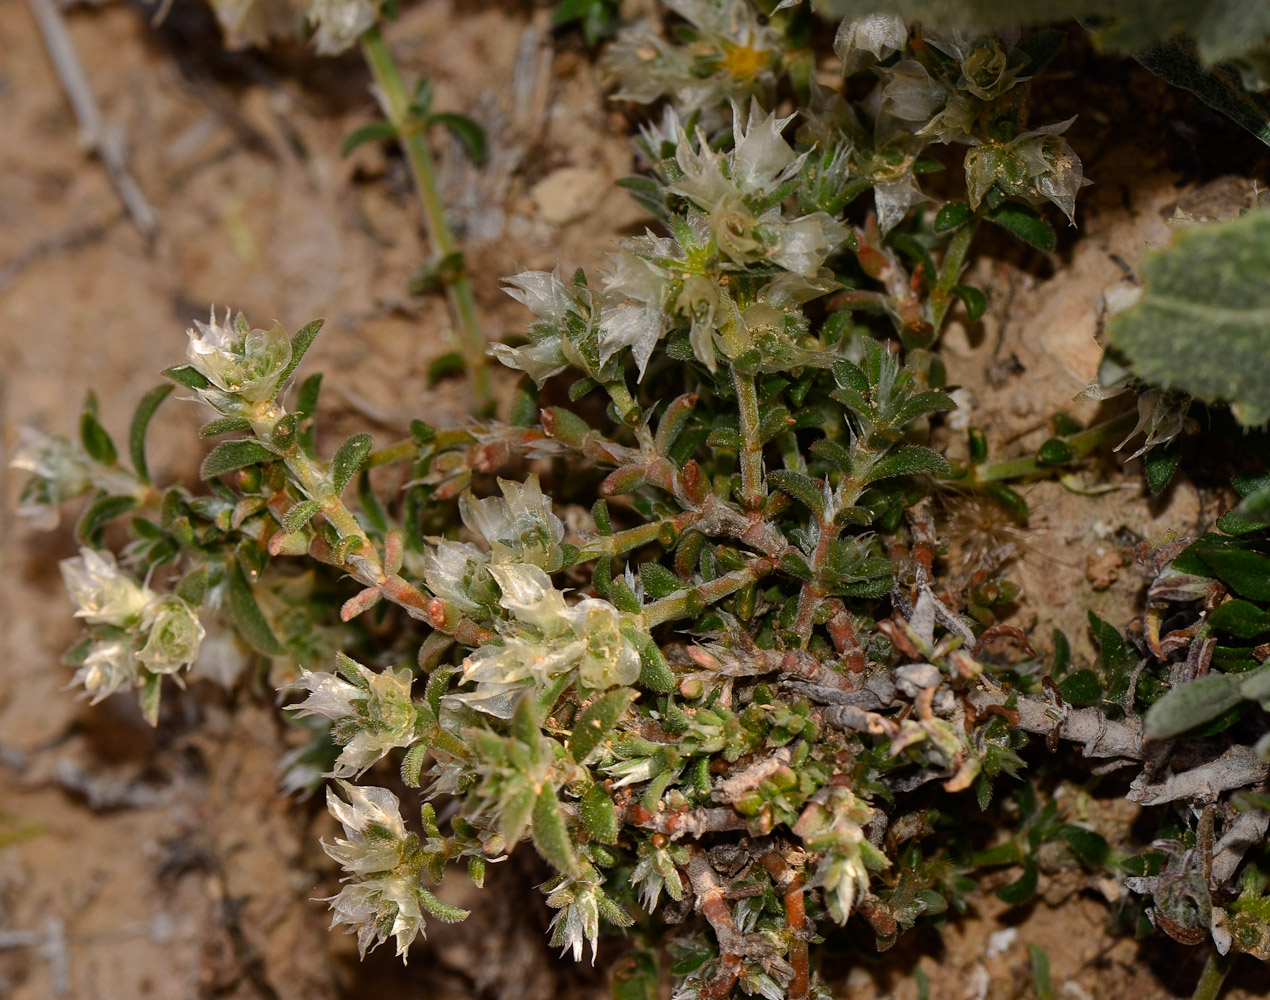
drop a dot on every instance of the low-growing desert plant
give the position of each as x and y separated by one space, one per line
745 700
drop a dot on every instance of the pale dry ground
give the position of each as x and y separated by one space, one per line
195 879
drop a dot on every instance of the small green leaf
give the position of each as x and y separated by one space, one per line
1111 647
150 691
1041 984
1024 888
658 581
442 911
1160 464
654 672
224 425
300 345
1241 618
951 216
909 460
1082 687
137 432
1062 653
922 403
186 375
99 513
299 515
1091 847
192 587
975 301
801 487
229 456
1191 705
469 134
598 815
1246 572
96 440
452 364
597 722
551 833
348 459
1025 223
248 618
372 132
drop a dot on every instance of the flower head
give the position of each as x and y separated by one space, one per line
371 715
174 638
581 903
237 360
108 667
60 470
376 850
340 23
519 526
105 594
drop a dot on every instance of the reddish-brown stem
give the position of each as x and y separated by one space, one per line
789 883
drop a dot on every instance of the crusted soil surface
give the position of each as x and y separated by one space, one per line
139 863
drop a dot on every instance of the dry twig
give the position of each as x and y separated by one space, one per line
105 142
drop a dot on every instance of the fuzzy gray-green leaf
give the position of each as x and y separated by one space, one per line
1191 705
1203 324
348 459
597 721
551 833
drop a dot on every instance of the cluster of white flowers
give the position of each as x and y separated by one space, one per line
581 902
658 869
243 365
735 219
371 715
384 901
735 55
139 630
60 470
544 638
336 24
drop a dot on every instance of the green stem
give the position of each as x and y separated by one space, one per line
1080 444
1211 979
691 602
622 401
458 291
752 491
622 542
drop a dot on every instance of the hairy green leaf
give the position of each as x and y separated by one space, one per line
909 460
597 722
99 513
137 432
1025 223
801 487
248 618
348 459
229 456
1191 705
551 833
1203 323
598 814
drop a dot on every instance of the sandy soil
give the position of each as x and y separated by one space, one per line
162 864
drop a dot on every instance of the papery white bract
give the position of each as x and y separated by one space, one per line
106 595
241 362
340 23
384 901
108 667
174 638
371 716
